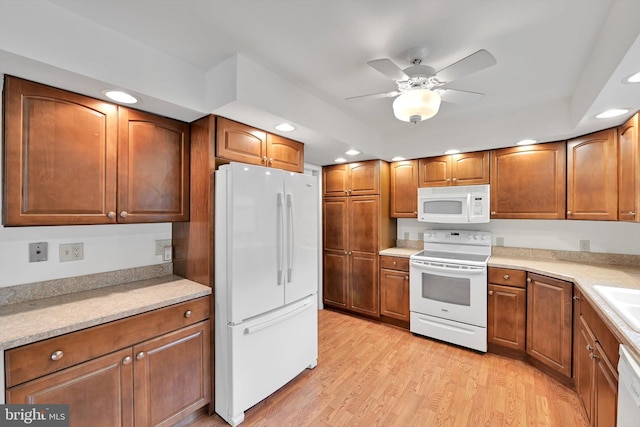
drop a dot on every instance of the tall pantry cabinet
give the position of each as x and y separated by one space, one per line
357 225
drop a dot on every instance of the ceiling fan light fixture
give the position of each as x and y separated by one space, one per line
416 105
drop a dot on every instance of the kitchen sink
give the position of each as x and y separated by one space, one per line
624 301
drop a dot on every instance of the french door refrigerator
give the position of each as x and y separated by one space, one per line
266 283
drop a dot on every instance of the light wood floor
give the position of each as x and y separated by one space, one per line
371 374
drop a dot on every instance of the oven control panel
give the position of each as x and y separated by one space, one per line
462 237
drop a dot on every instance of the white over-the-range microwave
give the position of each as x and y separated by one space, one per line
454 205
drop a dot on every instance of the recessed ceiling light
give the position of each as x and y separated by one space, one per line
612 113
285 127
340 160
352 152
452 151
633 78
527 142
119 96
398 159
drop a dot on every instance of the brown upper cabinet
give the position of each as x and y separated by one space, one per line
592 176
71 159
239 142
629 170
529 182
404 189
455 169
351 179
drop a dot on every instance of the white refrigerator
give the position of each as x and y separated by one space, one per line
266 283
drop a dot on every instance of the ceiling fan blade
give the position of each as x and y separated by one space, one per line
374 96
389 69
469 65
455 96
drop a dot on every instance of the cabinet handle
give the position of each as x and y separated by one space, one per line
126 360
349 252
395 263
415 213
455 179
264 159
506 277
589 348
490 292
346 253
528 279
576 298
124 214
187 314
448 179
569 213
111 215
57 355
140 355
632 213
270 161
493 212
406 277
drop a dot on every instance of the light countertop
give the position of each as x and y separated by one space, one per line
400 252
39 319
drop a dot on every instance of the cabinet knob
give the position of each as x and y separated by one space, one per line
124 214
57 355
506 277
187 314
455 179
493 212
448 179
490 292
126 360
589 348
576 298
140 355
632 213
569 213
264 159
395 263
111 215
349 252
415 213
406 277
528 279
270 161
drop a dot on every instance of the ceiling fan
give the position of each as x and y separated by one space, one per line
421 88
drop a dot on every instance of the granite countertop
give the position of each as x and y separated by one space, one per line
30 321
399 252
585 277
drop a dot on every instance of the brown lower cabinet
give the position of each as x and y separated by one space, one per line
394 289
595 359
154 382
506 308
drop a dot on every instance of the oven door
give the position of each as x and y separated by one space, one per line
450 291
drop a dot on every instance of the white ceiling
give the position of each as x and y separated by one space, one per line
261 61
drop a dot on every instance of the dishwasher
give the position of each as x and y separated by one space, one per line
628 389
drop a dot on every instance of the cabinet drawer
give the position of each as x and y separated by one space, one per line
602 333
44 357
506 276
394 263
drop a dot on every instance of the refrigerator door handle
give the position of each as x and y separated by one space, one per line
264 325
280 238
290 238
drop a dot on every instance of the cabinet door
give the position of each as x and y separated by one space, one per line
364 178
506 316
335 180
363 287
470 168
394 294
171 375
99 392
529 182
592 177
584 369
549 315
336 251
285 153
606 398
241 143
153 168
59 156
434 171
364 219
335 216
629 170
335 278
404 189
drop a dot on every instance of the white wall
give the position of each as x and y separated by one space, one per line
604 236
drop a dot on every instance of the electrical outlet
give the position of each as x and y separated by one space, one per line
71 252
585 246
499 241
160 245
406 235
38 251
420 236
167 254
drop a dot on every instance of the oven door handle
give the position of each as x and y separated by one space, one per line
422 265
